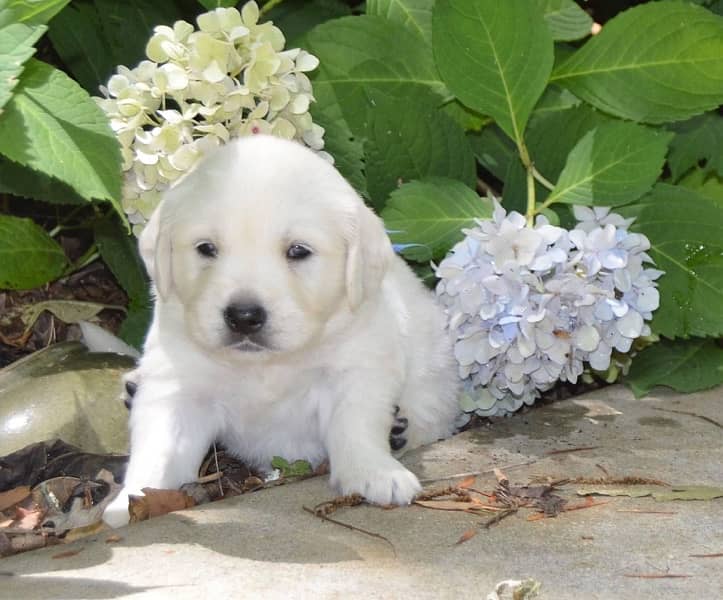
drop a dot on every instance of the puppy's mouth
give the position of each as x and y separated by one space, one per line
248 345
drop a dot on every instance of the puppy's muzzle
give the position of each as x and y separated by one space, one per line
245 319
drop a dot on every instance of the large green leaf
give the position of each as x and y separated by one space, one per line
657 62
23 181
414 14
296 17
94 37
29 12
700 139
566 20
684 365
684 229
493 149
551 135
413 141
342 145
119 251
494 56
427 216
356 62
51 125
613 164
16 46
29 257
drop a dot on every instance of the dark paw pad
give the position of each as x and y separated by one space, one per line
397 439
131 389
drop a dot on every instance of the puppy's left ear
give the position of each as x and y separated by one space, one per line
154 246
368 257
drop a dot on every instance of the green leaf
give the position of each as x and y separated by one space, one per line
430 214
700 139
413 14
554 99
211 4
493 149
296 17
551 135
135 326
356 63
93 38
413 141
78 39
298 468
16 46
684 365
566 20
28 183
342 145
29 12
684 229
613 164
494 56
657 62
119 251
704 183
29 257
53 126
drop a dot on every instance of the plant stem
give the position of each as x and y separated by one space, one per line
530 169
530 213
269 5
539 177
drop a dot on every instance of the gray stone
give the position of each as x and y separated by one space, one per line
264 545
66 392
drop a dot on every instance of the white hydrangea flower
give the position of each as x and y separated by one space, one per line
199 88
530 306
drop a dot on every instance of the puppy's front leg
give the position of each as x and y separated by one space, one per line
170 433
357 441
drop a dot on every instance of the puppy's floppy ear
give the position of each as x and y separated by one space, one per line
154 245
368 257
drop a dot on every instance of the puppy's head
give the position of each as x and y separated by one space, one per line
262 245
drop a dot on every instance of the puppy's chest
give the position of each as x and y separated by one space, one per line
265 416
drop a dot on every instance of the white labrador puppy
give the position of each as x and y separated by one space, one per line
284 325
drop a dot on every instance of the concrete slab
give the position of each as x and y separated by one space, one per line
264 545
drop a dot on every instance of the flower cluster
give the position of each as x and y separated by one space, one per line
528 306
200 88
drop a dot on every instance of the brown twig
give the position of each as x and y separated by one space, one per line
690 414
714 555
476 473
324 517
569 450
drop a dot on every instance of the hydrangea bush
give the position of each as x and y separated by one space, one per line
199 88
530 306
425 106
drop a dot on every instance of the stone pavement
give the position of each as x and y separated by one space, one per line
263 545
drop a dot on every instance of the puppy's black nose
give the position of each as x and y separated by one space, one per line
244 318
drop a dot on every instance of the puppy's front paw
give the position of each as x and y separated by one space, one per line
380 481
116 513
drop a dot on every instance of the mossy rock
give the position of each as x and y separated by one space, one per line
64 392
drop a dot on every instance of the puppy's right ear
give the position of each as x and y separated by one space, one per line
154 245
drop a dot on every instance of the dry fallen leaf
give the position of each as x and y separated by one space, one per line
689 492
464 506
468 482
14 496
155 503
466 536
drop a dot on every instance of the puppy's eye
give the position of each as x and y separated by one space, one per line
298 252
207 249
